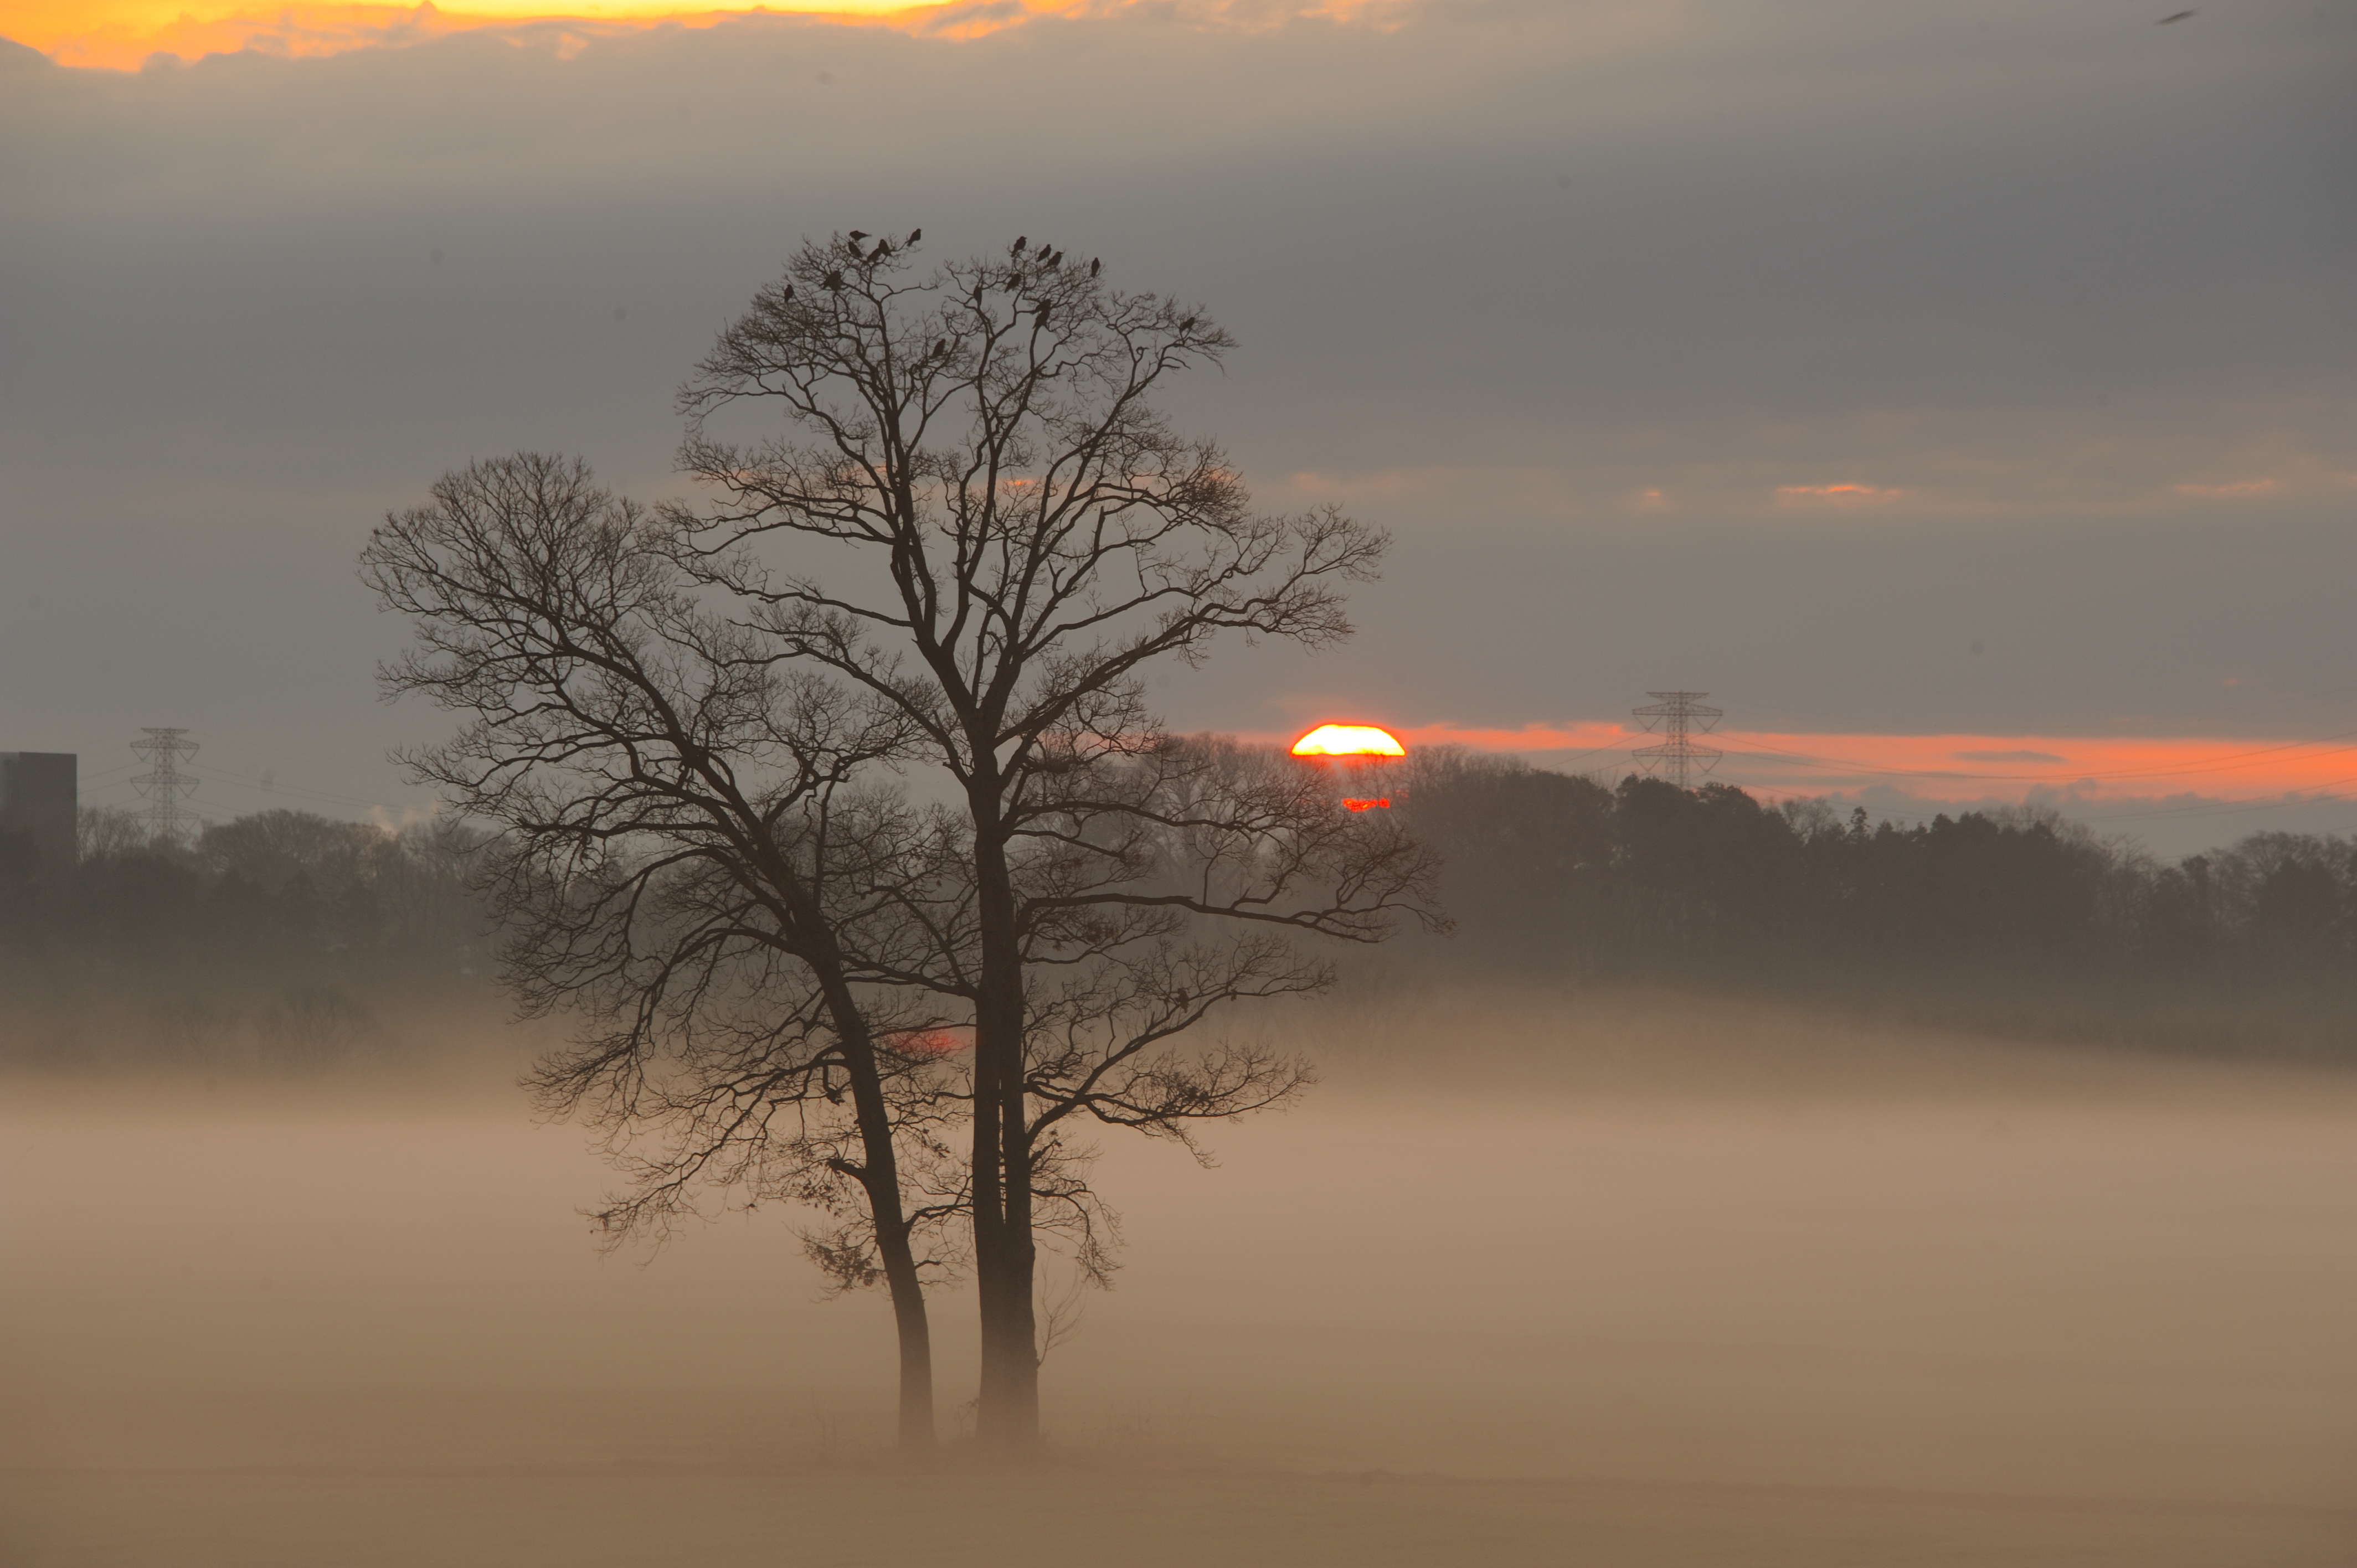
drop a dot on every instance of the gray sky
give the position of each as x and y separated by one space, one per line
2066 296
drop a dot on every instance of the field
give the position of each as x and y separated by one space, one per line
1637 1282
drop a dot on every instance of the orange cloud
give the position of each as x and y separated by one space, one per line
122 35
1834 495
2228 492
2093 766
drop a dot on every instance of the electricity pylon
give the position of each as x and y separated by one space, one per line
164 786
1678 713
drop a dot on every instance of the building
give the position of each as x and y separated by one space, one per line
39 794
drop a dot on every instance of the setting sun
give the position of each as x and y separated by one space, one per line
1347 740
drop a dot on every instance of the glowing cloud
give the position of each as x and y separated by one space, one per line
1347 740
123 35
1834 495
2228 492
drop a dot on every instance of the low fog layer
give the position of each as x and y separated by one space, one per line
1641 1280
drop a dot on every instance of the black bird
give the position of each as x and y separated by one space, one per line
883 248
789 292
1019 243
2179 16
1185 325
1094 264
915 235
857 235
832 279
1043 316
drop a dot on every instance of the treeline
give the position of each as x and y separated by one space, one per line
283 935
1550 874
278 936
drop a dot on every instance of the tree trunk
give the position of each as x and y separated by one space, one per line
1006 1416
1017 1326
880 1176
916 1337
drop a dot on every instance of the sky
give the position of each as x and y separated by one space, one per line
1964 396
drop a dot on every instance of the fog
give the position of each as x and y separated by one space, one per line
1531 1277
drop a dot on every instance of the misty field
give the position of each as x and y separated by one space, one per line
1623 1283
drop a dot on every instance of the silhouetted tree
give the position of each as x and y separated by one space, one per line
975 513
684 855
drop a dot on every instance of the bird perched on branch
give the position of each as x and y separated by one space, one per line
1094 264
1019 243
883 248
857 235
832 279
915 235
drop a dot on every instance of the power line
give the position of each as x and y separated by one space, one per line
280 787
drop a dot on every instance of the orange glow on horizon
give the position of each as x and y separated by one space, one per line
1347 740
1952 767
1379 804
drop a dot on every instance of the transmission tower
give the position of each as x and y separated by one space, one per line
164 786
1680 714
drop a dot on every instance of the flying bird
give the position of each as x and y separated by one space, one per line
915 235
2178 16
857 235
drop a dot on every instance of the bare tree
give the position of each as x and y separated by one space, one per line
976 515
689 855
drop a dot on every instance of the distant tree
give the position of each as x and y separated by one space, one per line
106 832
2292 902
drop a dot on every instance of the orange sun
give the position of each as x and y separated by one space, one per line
1347 740
1356 749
